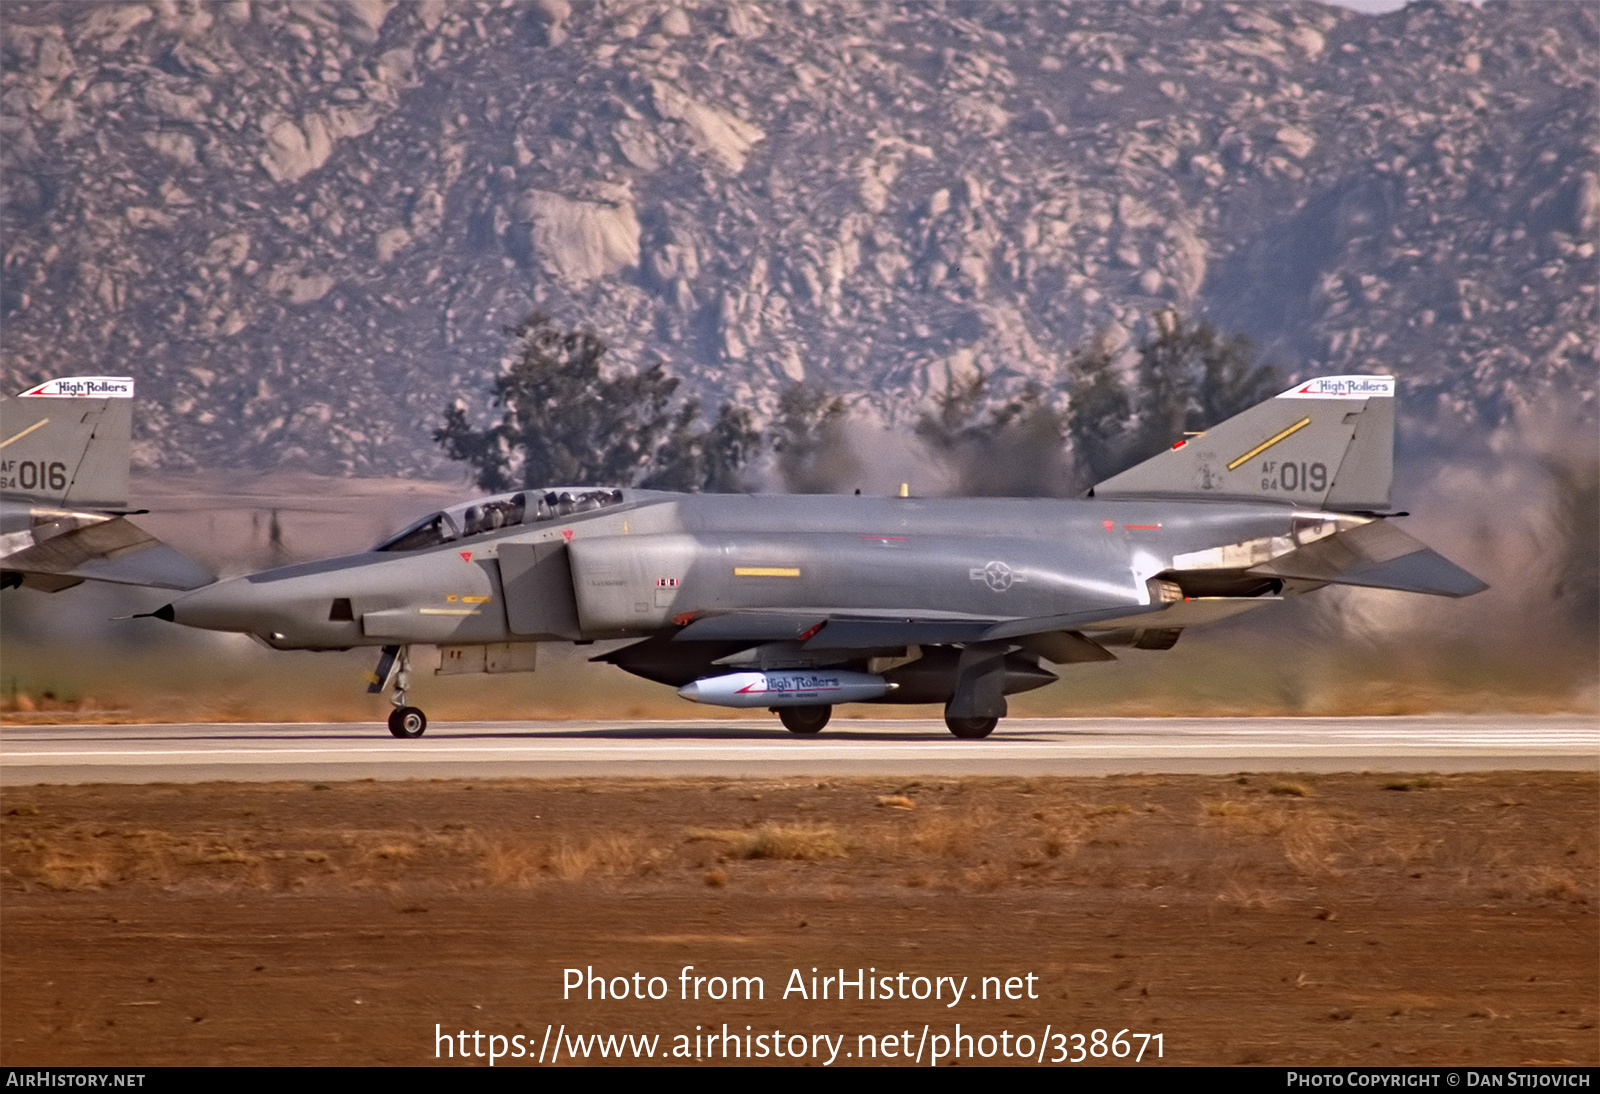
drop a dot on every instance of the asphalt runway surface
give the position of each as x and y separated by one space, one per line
738 749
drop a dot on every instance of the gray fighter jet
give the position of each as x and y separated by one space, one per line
64 449
798 603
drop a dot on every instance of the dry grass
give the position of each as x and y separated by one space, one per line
1315 842
506 862
985 878
603 856
223 855
945 835
358 859
976 847
1421 782
1239 895
1232 810
69 873
1544 883
1553 883
1063 839
1220 840
390 852
1229 903
1403 848
803 843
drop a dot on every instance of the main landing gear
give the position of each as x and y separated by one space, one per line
809 720
804 719
395 665
971 729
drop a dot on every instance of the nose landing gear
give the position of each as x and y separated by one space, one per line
394 665
407 722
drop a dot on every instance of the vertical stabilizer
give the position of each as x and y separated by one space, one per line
1326 443
66 443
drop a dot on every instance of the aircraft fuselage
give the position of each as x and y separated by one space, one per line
657 561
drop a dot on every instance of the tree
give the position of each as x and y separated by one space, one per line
813 451
562 422
1190 378
1186 378
1098 413
709 460
1015 448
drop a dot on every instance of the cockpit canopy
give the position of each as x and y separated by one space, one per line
498 511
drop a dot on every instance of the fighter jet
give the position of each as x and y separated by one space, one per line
796 604
64 452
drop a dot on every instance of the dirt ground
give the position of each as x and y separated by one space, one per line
1344 919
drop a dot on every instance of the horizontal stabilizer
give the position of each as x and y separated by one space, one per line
113 550
1376 555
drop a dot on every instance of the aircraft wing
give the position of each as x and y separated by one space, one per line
834 629
846 629
115 550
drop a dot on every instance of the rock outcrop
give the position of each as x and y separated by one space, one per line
303 226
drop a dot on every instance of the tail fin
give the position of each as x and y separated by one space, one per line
64 451
66 443
1326 443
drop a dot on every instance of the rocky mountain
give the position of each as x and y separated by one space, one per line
304 226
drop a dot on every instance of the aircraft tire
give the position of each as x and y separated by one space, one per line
971 729
407 722
805 719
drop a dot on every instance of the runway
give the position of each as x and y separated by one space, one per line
739 749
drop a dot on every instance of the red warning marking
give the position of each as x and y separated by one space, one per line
466 556
1143 527
685 619
810 633
1109 524
1179 444
566 534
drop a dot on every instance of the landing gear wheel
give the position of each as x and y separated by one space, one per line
804 719
971 729
407 722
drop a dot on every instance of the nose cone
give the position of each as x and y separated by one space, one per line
286 610
232 605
